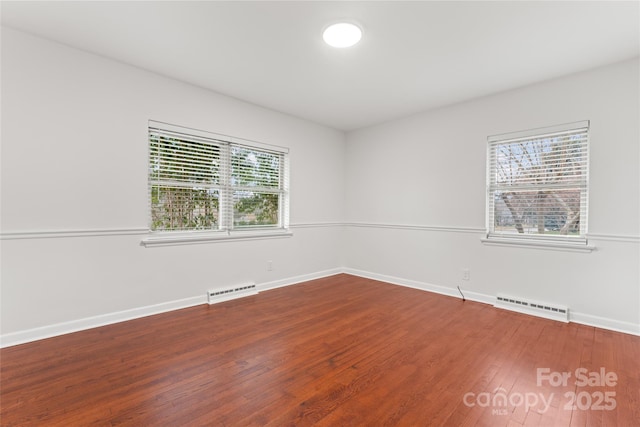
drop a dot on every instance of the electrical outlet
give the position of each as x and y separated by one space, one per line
465 274
269 265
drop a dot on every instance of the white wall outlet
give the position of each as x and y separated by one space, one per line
466 274
269 265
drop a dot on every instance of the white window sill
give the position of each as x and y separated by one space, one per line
196 237
539 244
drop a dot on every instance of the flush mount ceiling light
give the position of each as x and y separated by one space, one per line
342 34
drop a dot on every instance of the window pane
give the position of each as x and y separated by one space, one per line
555 212
204 181
538 183
182 208
172 159
254 168
551 160
255 209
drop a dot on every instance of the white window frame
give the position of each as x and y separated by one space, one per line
540 241
226 229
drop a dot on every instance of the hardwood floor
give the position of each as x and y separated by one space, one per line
339 351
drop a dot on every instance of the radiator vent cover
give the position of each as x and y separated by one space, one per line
535 308
232 292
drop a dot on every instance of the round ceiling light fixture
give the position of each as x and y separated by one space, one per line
342 34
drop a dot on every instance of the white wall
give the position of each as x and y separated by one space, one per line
74 159
73 170
428 171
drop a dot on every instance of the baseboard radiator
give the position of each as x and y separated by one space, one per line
534 308
232 292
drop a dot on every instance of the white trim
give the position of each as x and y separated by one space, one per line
478 297
538 244
316 224
423 286
289 281
57 329
614 237
581 318
605 323
543 131
195 237
127 231
43 332
473 230
47 234
49 331
630 238
578 182
58 234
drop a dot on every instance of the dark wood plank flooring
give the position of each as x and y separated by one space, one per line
338 351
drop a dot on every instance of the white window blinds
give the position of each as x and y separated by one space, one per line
537 184
203 181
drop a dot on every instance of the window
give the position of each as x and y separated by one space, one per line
199 181
537 184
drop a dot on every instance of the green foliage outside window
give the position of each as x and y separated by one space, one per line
197 184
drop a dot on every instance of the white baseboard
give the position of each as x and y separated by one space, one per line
581 318
43 332
49 331
429 287
478 297
605 323
21 337
299 279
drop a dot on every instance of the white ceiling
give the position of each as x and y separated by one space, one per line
413 56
